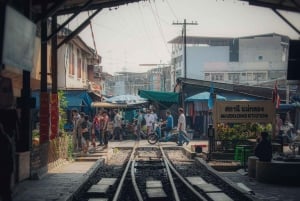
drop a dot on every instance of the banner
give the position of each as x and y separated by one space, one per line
244 112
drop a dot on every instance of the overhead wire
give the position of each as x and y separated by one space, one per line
172 10
145 28
92 32
157 21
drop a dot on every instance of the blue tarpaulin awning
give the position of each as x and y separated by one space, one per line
74 98
204 96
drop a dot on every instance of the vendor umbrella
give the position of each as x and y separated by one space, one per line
128 99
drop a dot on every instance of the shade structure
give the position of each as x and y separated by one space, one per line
108 105
160 96
126 99
204 96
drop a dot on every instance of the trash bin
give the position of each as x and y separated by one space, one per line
242 152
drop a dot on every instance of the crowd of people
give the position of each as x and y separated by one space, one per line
86 131
96 131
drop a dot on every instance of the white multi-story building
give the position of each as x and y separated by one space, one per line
247 60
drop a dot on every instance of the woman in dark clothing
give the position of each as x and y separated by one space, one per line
263 149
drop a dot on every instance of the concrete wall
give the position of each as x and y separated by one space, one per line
197 57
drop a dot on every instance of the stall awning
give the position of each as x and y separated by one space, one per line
74 98
107 105
169 97
77 98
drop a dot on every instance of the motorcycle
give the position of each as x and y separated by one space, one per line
156 136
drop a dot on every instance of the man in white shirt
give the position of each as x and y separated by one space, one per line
182 138
149 121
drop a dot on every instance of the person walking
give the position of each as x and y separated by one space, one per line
7 165
182 138
117 132
97 123
105 128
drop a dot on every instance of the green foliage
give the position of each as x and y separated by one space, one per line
35 133
70 147
62 107
241 131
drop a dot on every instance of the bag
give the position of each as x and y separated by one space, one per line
84 127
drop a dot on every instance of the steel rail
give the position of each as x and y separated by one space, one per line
181 178
121 183
176 196
135 186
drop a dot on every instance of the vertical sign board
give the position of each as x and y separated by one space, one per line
244 112
44 117
18 40
54 116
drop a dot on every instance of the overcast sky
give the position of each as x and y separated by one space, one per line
138 33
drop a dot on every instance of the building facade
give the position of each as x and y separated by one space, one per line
245 60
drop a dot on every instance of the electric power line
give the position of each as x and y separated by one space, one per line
156 17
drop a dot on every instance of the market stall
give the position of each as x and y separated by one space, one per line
197 111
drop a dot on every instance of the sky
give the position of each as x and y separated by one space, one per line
138 33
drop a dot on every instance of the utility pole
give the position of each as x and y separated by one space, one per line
184 39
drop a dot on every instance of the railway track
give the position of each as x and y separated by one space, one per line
156 173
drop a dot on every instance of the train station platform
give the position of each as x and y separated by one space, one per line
62 182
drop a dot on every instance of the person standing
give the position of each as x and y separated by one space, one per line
7 165
75 118
117 126
149 121
182 138
79 131
139 120
105 128
85 130
97 123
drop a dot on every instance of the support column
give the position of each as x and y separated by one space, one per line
54 95
24 142
44 99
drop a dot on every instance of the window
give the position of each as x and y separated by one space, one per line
79 64
71 61
260 58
